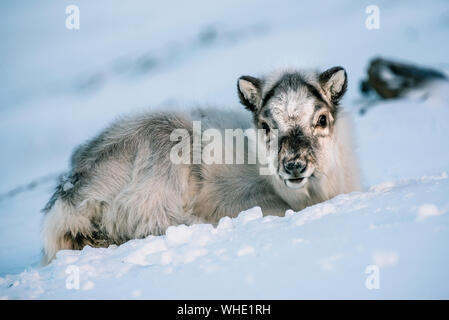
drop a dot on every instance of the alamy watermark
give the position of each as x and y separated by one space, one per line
372 21
237 146
72 21
72 281
372 282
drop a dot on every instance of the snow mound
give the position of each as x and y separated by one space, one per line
397 231
319 252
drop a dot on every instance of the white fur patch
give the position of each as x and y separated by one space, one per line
249 91
336 82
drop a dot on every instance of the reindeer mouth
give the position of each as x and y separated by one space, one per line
298 182
295 183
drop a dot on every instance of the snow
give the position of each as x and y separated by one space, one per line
385 258
266 260
245 251
60 87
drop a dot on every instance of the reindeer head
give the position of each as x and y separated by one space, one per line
301 108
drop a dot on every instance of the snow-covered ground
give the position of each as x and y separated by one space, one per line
59 87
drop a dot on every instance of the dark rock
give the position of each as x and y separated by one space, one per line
392 79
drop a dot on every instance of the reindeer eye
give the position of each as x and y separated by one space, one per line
322 121
265 127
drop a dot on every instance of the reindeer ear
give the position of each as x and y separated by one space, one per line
334 83
250 92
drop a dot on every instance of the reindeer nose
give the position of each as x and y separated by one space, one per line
295 167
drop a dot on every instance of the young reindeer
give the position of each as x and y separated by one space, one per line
124 185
